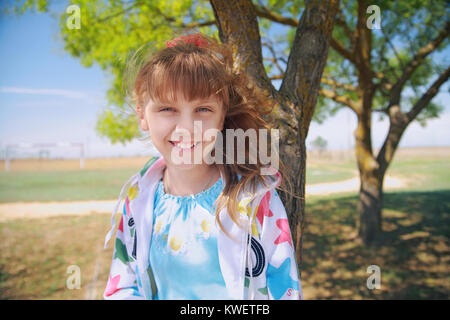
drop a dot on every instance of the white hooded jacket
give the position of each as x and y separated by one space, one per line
262 268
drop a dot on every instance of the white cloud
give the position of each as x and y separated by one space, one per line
69 94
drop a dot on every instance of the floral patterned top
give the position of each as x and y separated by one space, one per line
183 252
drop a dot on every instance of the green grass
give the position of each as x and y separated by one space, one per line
78 185
62 185
36 253
413 251
322 173
423 174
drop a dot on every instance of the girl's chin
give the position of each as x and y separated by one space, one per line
183 166
184 163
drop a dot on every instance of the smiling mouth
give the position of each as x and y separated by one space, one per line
183 145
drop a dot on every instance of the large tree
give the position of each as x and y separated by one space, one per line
389 71
110 30
394 71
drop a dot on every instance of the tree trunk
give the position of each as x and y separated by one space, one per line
370 205
296 99
371 179
294 158
301 85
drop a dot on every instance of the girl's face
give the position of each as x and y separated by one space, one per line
182 129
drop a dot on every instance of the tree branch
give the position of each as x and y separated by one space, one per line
340 21
363 48
194 25
343 100
238 26
339 47
274 58
277 77
264 12
326 79
394 50
191 25
134 5
307 58
415 62
399 121
428 95
169 19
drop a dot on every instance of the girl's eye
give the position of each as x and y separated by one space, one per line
166 109
203 109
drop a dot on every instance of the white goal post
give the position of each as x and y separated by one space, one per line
42 146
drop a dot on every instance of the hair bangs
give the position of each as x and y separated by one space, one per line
192 76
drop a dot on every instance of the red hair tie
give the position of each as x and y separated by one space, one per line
196 39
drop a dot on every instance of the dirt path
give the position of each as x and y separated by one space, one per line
352 184
15 210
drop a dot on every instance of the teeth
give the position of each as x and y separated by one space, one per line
186 146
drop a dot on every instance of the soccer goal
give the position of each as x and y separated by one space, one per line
42 150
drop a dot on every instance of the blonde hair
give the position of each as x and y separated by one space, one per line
199 72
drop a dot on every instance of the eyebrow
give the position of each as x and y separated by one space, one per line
197 102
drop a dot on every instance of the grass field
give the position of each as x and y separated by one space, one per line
413 253
63 180
57 180
36 253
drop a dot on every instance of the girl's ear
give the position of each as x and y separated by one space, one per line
142 120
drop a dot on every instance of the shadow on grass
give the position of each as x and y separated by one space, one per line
412 251
35 255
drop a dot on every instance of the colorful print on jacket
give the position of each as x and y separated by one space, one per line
256 263
183 251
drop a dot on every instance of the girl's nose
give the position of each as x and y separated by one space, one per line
186 123
189 129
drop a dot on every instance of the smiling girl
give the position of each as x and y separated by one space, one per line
199 229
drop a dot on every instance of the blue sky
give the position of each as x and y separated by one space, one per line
47 96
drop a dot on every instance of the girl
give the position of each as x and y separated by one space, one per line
199 229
